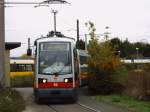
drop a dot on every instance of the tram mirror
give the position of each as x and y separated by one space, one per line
29 52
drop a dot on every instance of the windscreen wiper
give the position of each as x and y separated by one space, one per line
58 73
47 73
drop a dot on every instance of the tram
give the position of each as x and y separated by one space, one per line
56 69
83 66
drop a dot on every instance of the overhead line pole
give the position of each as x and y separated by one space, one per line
28 43
54 12
77 30
2 46
86 42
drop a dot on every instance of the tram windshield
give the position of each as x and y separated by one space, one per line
55 58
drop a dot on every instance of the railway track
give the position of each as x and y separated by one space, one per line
77 107
52 108
88 107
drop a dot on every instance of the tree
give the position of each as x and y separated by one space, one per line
80 44
102 64
146 50
116 43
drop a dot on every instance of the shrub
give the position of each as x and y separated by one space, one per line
138 84
102 65
11 101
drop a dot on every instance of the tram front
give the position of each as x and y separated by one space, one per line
55 70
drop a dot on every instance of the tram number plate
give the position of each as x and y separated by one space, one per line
55 84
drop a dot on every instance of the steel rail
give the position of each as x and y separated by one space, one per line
51 107
80 104
88 107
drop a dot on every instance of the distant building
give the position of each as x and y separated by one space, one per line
9 46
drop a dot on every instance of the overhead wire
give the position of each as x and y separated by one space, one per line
34 3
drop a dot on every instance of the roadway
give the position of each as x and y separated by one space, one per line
84 104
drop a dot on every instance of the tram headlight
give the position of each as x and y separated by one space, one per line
44 80
68 80
65 80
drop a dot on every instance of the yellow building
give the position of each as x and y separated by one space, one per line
9 46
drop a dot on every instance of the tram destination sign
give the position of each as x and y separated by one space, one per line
54 46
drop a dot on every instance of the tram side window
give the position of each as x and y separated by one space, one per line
29 67
13 67
83 60
21 67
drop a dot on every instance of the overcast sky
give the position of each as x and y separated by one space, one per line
126 19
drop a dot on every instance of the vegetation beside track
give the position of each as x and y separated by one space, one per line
107 76
102 65
11 101
130 103
22 81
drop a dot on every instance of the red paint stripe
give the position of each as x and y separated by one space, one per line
55 85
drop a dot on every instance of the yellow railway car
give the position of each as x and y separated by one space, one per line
21 67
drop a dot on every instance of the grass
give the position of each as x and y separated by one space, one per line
11 101
126 102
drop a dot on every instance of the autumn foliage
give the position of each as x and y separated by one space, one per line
102 64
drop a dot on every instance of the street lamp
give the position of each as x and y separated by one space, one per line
106 34
137 52
119 53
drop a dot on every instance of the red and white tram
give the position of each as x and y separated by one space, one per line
56 68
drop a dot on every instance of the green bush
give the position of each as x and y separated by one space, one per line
130 66
133 66
97 85
104 86
138 84
102 64
11 101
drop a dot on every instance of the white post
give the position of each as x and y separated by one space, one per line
2 44
137 52
54 12
86 42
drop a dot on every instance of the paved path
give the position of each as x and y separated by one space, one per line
84 104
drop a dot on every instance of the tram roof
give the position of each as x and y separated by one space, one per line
57 39
22 58
21 61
